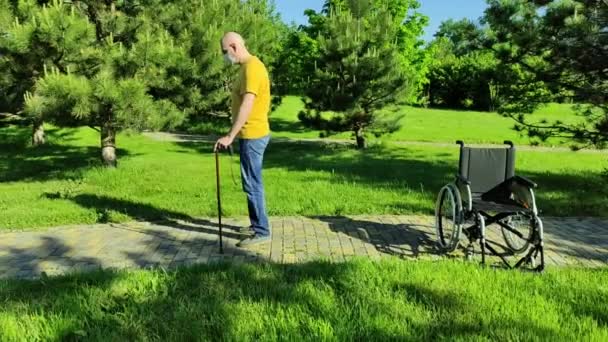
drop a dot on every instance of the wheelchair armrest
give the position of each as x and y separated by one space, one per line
461 179
521 189
524 181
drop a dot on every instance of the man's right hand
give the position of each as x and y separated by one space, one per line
222 143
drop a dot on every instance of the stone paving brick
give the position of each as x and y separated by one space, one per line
569 241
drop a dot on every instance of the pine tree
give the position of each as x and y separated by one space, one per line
198 25
109 87
114 65
359 70
36 37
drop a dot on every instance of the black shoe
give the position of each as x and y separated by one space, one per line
254 240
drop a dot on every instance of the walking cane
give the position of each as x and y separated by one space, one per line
219 196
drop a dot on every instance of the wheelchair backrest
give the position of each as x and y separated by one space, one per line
486 167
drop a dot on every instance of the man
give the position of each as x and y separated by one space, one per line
250 107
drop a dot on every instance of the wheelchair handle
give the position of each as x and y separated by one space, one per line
508 142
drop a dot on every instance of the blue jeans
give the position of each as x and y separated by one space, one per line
252 156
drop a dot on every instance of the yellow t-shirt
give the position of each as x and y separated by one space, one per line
253 79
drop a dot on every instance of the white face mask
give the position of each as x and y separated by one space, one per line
229 59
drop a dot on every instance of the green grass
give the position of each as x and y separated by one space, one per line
359 300
62 183
435 125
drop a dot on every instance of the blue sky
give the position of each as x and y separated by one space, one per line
436 10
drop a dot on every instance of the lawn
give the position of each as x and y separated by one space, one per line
434 125
62 183
359 300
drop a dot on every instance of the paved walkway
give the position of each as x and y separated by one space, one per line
569 241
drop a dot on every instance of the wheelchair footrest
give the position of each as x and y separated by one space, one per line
527 259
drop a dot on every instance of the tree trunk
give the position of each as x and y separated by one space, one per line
108 144
38 133
360 138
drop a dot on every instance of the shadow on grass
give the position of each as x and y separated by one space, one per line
423 174
21 162
281 125
377 166
315 301
144 212
574 194
458 304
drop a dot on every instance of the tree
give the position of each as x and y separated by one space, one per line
36 37
360 66
414 59
146 64
109 89
295 63
464 35
6 79
198 25
468 81
296 60
464 71
561 44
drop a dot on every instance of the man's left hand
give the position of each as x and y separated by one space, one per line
223 143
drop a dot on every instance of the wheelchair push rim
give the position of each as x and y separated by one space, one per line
448 213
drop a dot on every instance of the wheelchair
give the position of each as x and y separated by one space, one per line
487 192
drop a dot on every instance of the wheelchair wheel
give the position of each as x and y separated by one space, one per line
448 213
518 237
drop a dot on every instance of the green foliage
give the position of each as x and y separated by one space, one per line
127 65
197 28
300 48
561 44
360 64
36 37
6 78
109 74
469 81
295 64
463 72
466 72
464 35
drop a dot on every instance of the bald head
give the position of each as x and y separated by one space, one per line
233 47
233 38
